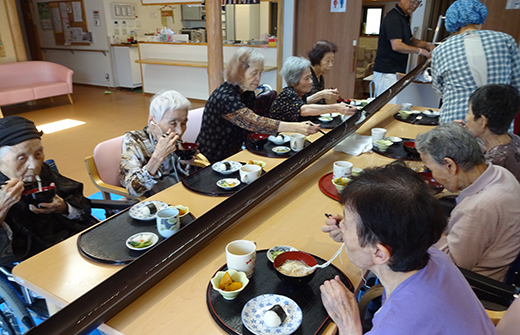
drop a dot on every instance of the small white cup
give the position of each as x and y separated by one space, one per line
297 141
342 169
378 134
168 222
241 256
250 173
406 106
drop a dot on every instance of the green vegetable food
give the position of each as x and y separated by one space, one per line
142 244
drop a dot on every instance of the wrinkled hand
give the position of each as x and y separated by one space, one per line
57 205
430 47
10 194
332 227
329 93
460 123
342 307
425 53
166 145
345 109
308 128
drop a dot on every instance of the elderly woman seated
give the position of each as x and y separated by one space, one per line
483 234
27 229
229 113
148 160
322 58
390 222
492 109
289 104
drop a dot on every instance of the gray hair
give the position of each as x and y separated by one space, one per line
4 150
451 141
293 68
241 60
165 101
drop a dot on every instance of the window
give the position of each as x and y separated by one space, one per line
372 20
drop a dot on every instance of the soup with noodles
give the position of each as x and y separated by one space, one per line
295 268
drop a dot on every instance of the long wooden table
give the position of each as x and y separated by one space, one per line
292 216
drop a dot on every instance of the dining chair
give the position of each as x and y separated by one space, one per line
264 100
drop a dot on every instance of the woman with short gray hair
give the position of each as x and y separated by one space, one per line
483 233
290 105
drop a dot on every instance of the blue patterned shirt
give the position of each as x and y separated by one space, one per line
453 78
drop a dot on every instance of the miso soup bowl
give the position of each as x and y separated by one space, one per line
298 256
35 196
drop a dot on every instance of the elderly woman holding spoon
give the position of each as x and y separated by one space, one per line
290 104
422 286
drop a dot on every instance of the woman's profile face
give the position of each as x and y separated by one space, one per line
305 83
326 62
252 76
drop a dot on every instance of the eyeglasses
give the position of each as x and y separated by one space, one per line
415 3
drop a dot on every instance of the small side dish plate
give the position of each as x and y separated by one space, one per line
226 167
276 250
281 150
325 118
142 238
141 211
228 183
262 164
431 113
254 310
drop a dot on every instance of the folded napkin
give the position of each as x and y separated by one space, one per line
355 145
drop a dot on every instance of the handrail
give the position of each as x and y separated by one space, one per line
111 296
75 49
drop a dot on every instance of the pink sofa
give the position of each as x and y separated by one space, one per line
26 81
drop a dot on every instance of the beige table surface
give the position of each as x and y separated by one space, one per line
292 216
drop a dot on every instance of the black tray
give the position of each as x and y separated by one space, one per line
327 125
424 121
266 149
397 151
106 242
204 181
227 314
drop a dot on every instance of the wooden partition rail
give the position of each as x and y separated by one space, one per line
75 49
111 296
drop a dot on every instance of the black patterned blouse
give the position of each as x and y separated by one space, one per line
317 85
228 118
287 106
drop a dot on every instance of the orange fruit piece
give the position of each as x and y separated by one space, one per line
225 281
233 286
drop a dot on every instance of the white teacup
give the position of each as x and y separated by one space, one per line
406 106
168 222
241 256
342 169
250 173
378 134
297 141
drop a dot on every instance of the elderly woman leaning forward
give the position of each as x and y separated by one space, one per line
483 233
229 113
322 58
390 222
290 105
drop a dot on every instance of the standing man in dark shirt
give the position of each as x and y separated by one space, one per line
395 43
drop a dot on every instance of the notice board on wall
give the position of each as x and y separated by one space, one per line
69 23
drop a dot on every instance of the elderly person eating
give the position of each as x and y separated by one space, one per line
471 58
229 113
483 233
390 222
492 109
290 104
148 160
27 229
322 58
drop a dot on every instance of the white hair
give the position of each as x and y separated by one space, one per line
165 101
293 68
4 151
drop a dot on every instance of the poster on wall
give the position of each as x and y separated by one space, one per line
76 9
56 20
45 15
338 6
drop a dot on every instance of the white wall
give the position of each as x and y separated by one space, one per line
5 35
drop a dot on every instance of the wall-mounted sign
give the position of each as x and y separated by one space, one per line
337 6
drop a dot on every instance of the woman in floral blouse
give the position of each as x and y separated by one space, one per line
289 104
229 113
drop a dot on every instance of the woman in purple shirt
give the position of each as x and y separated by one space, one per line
390 221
